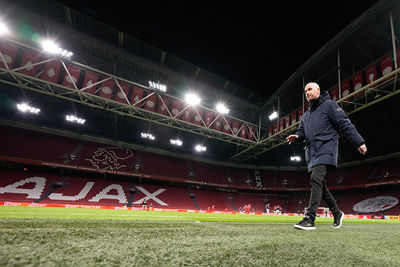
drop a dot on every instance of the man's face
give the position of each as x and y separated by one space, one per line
312 91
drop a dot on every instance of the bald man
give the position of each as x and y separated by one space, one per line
320 127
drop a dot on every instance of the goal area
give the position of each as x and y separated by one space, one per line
321 212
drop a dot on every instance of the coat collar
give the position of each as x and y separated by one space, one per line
318 101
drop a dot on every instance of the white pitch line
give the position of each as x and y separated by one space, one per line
84 214
124 215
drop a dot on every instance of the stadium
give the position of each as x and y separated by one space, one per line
118 153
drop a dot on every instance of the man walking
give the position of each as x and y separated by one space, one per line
320 127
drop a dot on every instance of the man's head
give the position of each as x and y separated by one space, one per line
312 91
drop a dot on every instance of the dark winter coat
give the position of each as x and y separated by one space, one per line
320 127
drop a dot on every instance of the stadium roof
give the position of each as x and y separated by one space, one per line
111 51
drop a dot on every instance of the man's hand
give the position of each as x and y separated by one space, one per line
291 138
362 149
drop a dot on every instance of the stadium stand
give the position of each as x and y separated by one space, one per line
32 145
159 165
105 157
40 147
29 186
208 173
44 187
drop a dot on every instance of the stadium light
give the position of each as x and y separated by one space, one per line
72 118
295 158
147 136
157 86
192 99
273 116
51 47
3 29
221 108
176 142
23 107
200 148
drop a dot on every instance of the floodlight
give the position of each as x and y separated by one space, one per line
192 99
23 107
65 53
295 158
273 115
147 136
3 29
73 118
221 108
176 142
200 148
51 47
158 86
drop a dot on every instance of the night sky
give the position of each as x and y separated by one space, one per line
253 46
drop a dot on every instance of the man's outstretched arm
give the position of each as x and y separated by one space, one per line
291 138
298 135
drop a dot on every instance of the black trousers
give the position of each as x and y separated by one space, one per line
320 190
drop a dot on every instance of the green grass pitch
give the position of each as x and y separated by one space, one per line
33 236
